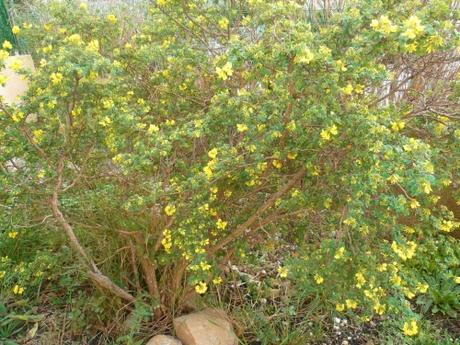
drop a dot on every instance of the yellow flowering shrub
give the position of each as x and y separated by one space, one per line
186 139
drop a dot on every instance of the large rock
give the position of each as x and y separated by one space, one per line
163 340
208 327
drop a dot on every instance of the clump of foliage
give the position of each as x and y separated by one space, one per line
166 152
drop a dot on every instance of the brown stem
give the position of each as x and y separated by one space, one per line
133 259
148 267
93 272
178 274
255 216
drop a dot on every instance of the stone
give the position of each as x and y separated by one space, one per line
163 340
207 327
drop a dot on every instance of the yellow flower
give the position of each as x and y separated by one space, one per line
108 103
213 153
422 287
40 174
410 48
397 126
409 294
16 29
217 281
457 280
18 290
359 89
327 203
223 23
382 267
406 252
339 253
409 230
347 90
379 308
241 127
84 6
93 46
447 225
292 155
167 241
396 280
204 266
295 192
350 221
208 171
276 134
112 19
394 178
153 129
318 279
170 210
333 130
225 71
4 54
47 49
7 45
457 133
166 244
56 78
291 126
12 234
433 43
351 304
410 328
74 39
446 182
413 27
360 280
383 25
341 66
16 65
277 164
340 307
304 56
201 288
17 117
427 187
327 133
414 204
38 135
228 193
3 79
221 224
283 272
105 121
